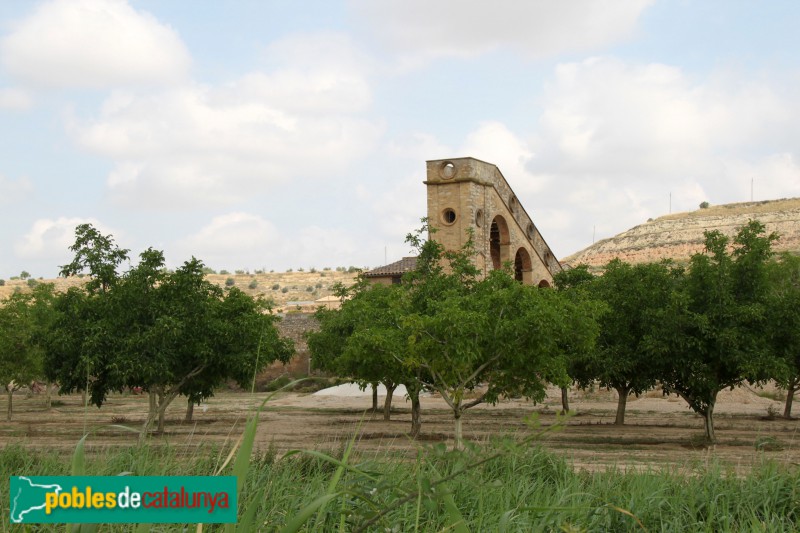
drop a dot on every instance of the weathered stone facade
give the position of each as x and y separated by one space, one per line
293 326
465 194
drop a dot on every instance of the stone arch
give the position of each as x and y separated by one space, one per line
523 266
499 241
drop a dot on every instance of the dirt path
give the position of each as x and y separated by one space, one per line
659 431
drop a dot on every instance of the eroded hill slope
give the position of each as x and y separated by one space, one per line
680 235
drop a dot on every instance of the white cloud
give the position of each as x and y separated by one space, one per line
12 192
230 234
15 99
773 176
95 44
245 240
494 143
199 145
421 29
51 239
618 138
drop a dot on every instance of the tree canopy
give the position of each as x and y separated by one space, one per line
711 334
171 333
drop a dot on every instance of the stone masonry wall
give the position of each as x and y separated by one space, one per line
293 326
477 192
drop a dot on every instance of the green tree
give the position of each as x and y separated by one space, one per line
465 331
634 296
24 317
575 283
97 254
24 275
364 339
172 333
712 332
783 324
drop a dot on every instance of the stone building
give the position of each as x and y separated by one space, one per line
393 272
465 194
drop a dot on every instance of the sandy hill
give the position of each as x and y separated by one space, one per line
680 235
289 290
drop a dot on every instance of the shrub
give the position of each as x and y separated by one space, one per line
318 285
24 275
239 272
276 286
309 289
230 282
32 283
2 282
288 270
253 284
285 290
704 205
326 268
209 270
352 269
313 270
224 272
277 383
300 269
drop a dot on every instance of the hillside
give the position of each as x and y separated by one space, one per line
679 235
302 287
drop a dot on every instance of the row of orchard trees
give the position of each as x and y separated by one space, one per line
731 316
448 330
172 333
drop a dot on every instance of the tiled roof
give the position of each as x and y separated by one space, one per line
406 264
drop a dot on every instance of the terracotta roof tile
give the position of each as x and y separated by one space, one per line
406 264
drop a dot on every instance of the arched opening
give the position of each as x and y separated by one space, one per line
522 266
544 284
498 241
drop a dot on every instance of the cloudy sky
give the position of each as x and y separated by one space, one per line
275 134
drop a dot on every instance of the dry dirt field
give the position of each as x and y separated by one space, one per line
659 431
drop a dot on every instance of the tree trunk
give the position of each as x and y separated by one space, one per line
10 398
564 400
416 413
151 414
48 396
164 400
708 417
622 402
189 410
374 397
387 404
153 406
787 410
162 409
83 397
459 435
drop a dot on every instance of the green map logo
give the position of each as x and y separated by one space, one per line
122 499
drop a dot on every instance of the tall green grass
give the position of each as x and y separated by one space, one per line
521 489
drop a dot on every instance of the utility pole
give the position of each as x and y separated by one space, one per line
670 203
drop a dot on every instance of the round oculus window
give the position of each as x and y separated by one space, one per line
448 170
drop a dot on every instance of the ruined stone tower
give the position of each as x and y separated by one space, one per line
467 193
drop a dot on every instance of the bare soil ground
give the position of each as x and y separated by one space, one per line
659 431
